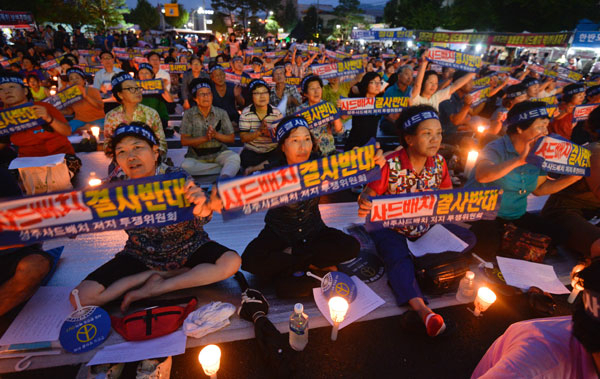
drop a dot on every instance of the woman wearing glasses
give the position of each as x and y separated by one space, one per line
127 92
257 128
365 127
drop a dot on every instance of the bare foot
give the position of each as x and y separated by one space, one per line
146 290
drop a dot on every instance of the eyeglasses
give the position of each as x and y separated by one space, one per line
375 82
106 58
260 93
133 89
204 94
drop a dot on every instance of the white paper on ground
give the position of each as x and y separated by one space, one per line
536 203
171 344
47 161
437 240
75 138
41 318
524 274
366 301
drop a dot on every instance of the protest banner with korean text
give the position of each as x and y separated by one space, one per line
239 80
151 86
454 59
146 202
319 114
19 118
298 182
372 105
555 154
480 95
65 98
333 70
582 112
435 207
530 39
174 68
586 39
451 37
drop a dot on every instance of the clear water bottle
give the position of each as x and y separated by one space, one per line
466 288
298 328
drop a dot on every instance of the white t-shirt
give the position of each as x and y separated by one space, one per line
162 74
540 348
434 100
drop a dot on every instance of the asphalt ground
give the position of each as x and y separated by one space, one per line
392 347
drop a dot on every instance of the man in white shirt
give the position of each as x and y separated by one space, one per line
102 77
154 60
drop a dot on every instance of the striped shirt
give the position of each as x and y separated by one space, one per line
250 122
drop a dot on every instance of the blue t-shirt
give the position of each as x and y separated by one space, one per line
394 91
448 108
517 184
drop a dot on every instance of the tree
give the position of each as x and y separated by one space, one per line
219 24
145 15
104 14
415 14
272 26
181 20
310 21
289 17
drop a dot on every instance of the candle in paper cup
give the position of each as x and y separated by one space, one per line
94 180
575 283
210 360
471 159
338 306
485 298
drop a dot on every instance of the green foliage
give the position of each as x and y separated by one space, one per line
181 20
145 15
104 14
310 23
219 24
272 25
288 18
415 14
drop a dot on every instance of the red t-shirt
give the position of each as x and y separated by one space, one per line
36 142
398 176
563 126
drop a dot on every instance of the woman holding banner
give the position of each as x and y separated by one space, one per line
47 139
425 90
155 101
89 111
365 127
312 89
562 124
295 238
157 260
503 163
415 167
571 208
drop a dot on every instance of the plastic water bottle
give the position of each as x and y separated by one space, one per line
298 328
466 288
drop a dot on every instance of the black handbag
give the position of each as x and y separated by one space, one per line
440 273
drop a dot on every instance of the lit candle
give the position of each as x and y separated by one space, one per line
471 159
53 91
95 131
94 180
210 359
131 74
481 129
338 306
575 283
55 78
485 298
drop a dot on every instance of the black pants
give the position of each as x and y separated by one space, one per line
489 232
264 256
251 158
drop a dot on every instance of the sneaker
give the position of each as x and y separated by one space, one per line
106 371
159 368
434 324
